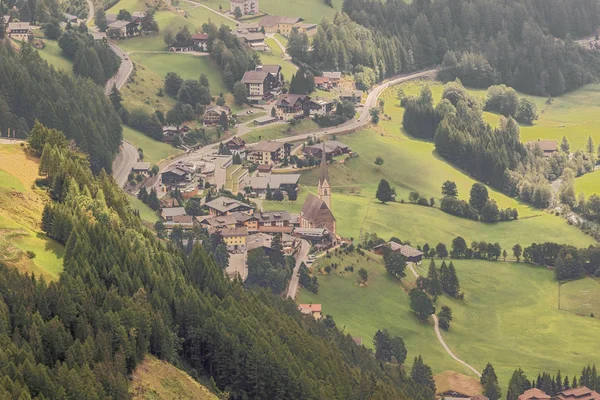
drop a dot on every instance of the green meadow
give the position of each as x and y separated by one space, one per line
509 316
154 151
146 213
53 54
277 131
581 297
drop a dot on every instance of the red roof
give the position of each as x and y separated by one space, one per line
200 36
319 80
310 307
534 393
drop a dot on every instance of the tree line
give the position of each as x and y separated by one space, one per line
124 293
31 90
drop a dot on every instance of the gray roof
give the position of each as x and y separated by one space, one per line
254 76
241 217
98 35
110 18
312 206
271 68
141 166
118 24
270 216
272 20
332 74
225 204
330 146
219 109
234 231
259 240
253 36
216 222
310 231
248 26
274 181
266 118
290 99
267 146
173 211
18 25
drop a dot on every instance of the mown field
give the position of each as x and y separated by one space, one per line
53 54
581 297
21 205
146 213
154 379
509 317
154 151
277 131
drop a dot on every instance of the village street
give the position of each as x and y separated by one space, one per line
301 257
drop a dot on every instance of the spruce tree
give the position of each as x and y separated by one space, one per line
453 284
385 192
435 287
421 373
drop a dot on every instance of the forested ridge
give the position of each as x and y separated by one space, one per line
30 90
484 42
124 293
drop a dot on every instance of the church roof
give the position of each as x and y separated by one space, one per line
312 206
324 173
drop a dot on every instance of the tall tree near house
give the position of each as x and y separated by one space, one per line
564 145
124 15
240 93
148 23
100 19
395 264
238 13
173 83
478 197
453 283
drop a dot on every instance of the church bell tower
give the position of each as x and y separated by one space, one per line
324 191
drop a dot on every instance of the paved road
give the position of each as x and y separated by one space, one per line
122 74
123 162
301 255
436 328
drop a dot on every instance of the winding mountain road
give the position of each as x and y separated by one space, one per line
292 290
436 328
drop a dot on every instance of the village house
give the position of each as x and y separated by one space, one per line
167 214
580 393
534 394
333 148
322 82
320 107
179 175
213 115
412 255
236 145
255 40
234 238
169 202
215 223
311 309
200 41
284 182
247 7
354 96
225 206
19 31
334 77
73 19
243 219
263 83
548 147
274 222
316 211
99 36
137 16
265 120
141 168
288 243
184 221
285 25
248 27
268 152
122 29
291 106
260 240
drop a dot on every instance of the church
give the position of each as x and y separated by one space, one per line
316 212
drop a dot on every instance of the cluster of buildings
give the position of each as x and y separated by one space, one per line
122 28
580 393
411 254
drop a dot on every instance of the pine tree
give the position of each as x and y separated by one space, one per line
445 277
564 145
421 373
383 346
453 284
488 374
435 287
589 147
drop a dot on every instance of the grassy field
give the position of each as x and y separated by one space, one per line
491 324
275 56
588 184
53 54
141 91
146 213
581 297
276 131
21 205
311 10
154 379
129 5
154 151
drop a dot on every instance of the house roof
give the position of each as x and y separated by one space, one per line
118 24
271 216
270 68
251 36
138 14
237 141
219 109
290 99
216 222
69 16
267 146
319 80
315 232
309 308
287 238
110 18
265 119
330 146
259 240
228 232
332 74
98 35
545 145
173 212
225 204
580 393
183 219
141 166
241 217
254 76
274 181
534 393
312 206
200 36
248 26
272 20
18 25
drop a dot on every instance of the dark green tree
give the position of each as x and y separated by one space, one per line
478 197
420 304
449 188
385 193
421 373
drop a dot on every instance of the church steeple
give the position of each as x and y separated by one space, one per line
324 191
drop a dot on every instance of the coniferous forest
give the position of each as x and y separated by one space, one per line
30 90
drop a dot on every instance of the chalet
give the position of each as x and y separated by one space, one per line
311 309
283 25
123 29
268 152
236 145
333 148
141 168
179 174
322 82
248 27
274 222
267 119
354 96
215 223
320 107
534 394
243 219
213 115
580 393
548 147
316 211
284 182
19 31
247 7
255 40
73 19
412 255
291 106
288 243
99 36
263 83
167 214
184 221
200 41
260 240
235 238
334 77
225 206
182 47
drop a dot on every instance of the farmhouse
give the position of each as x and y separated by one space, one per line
291 106
412 255
263 83
141 168
334 77
247 7
353 96
283 25
213 115
255 40
333 148
225 206
580 393
167 214
534 394
184 221
200 41
236 145
19 31
267 152
234 238
546 146
322 82
122 29
311 309
179 174
316 211
274 222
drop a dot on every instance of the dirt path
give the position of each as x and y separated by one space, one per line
436 327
